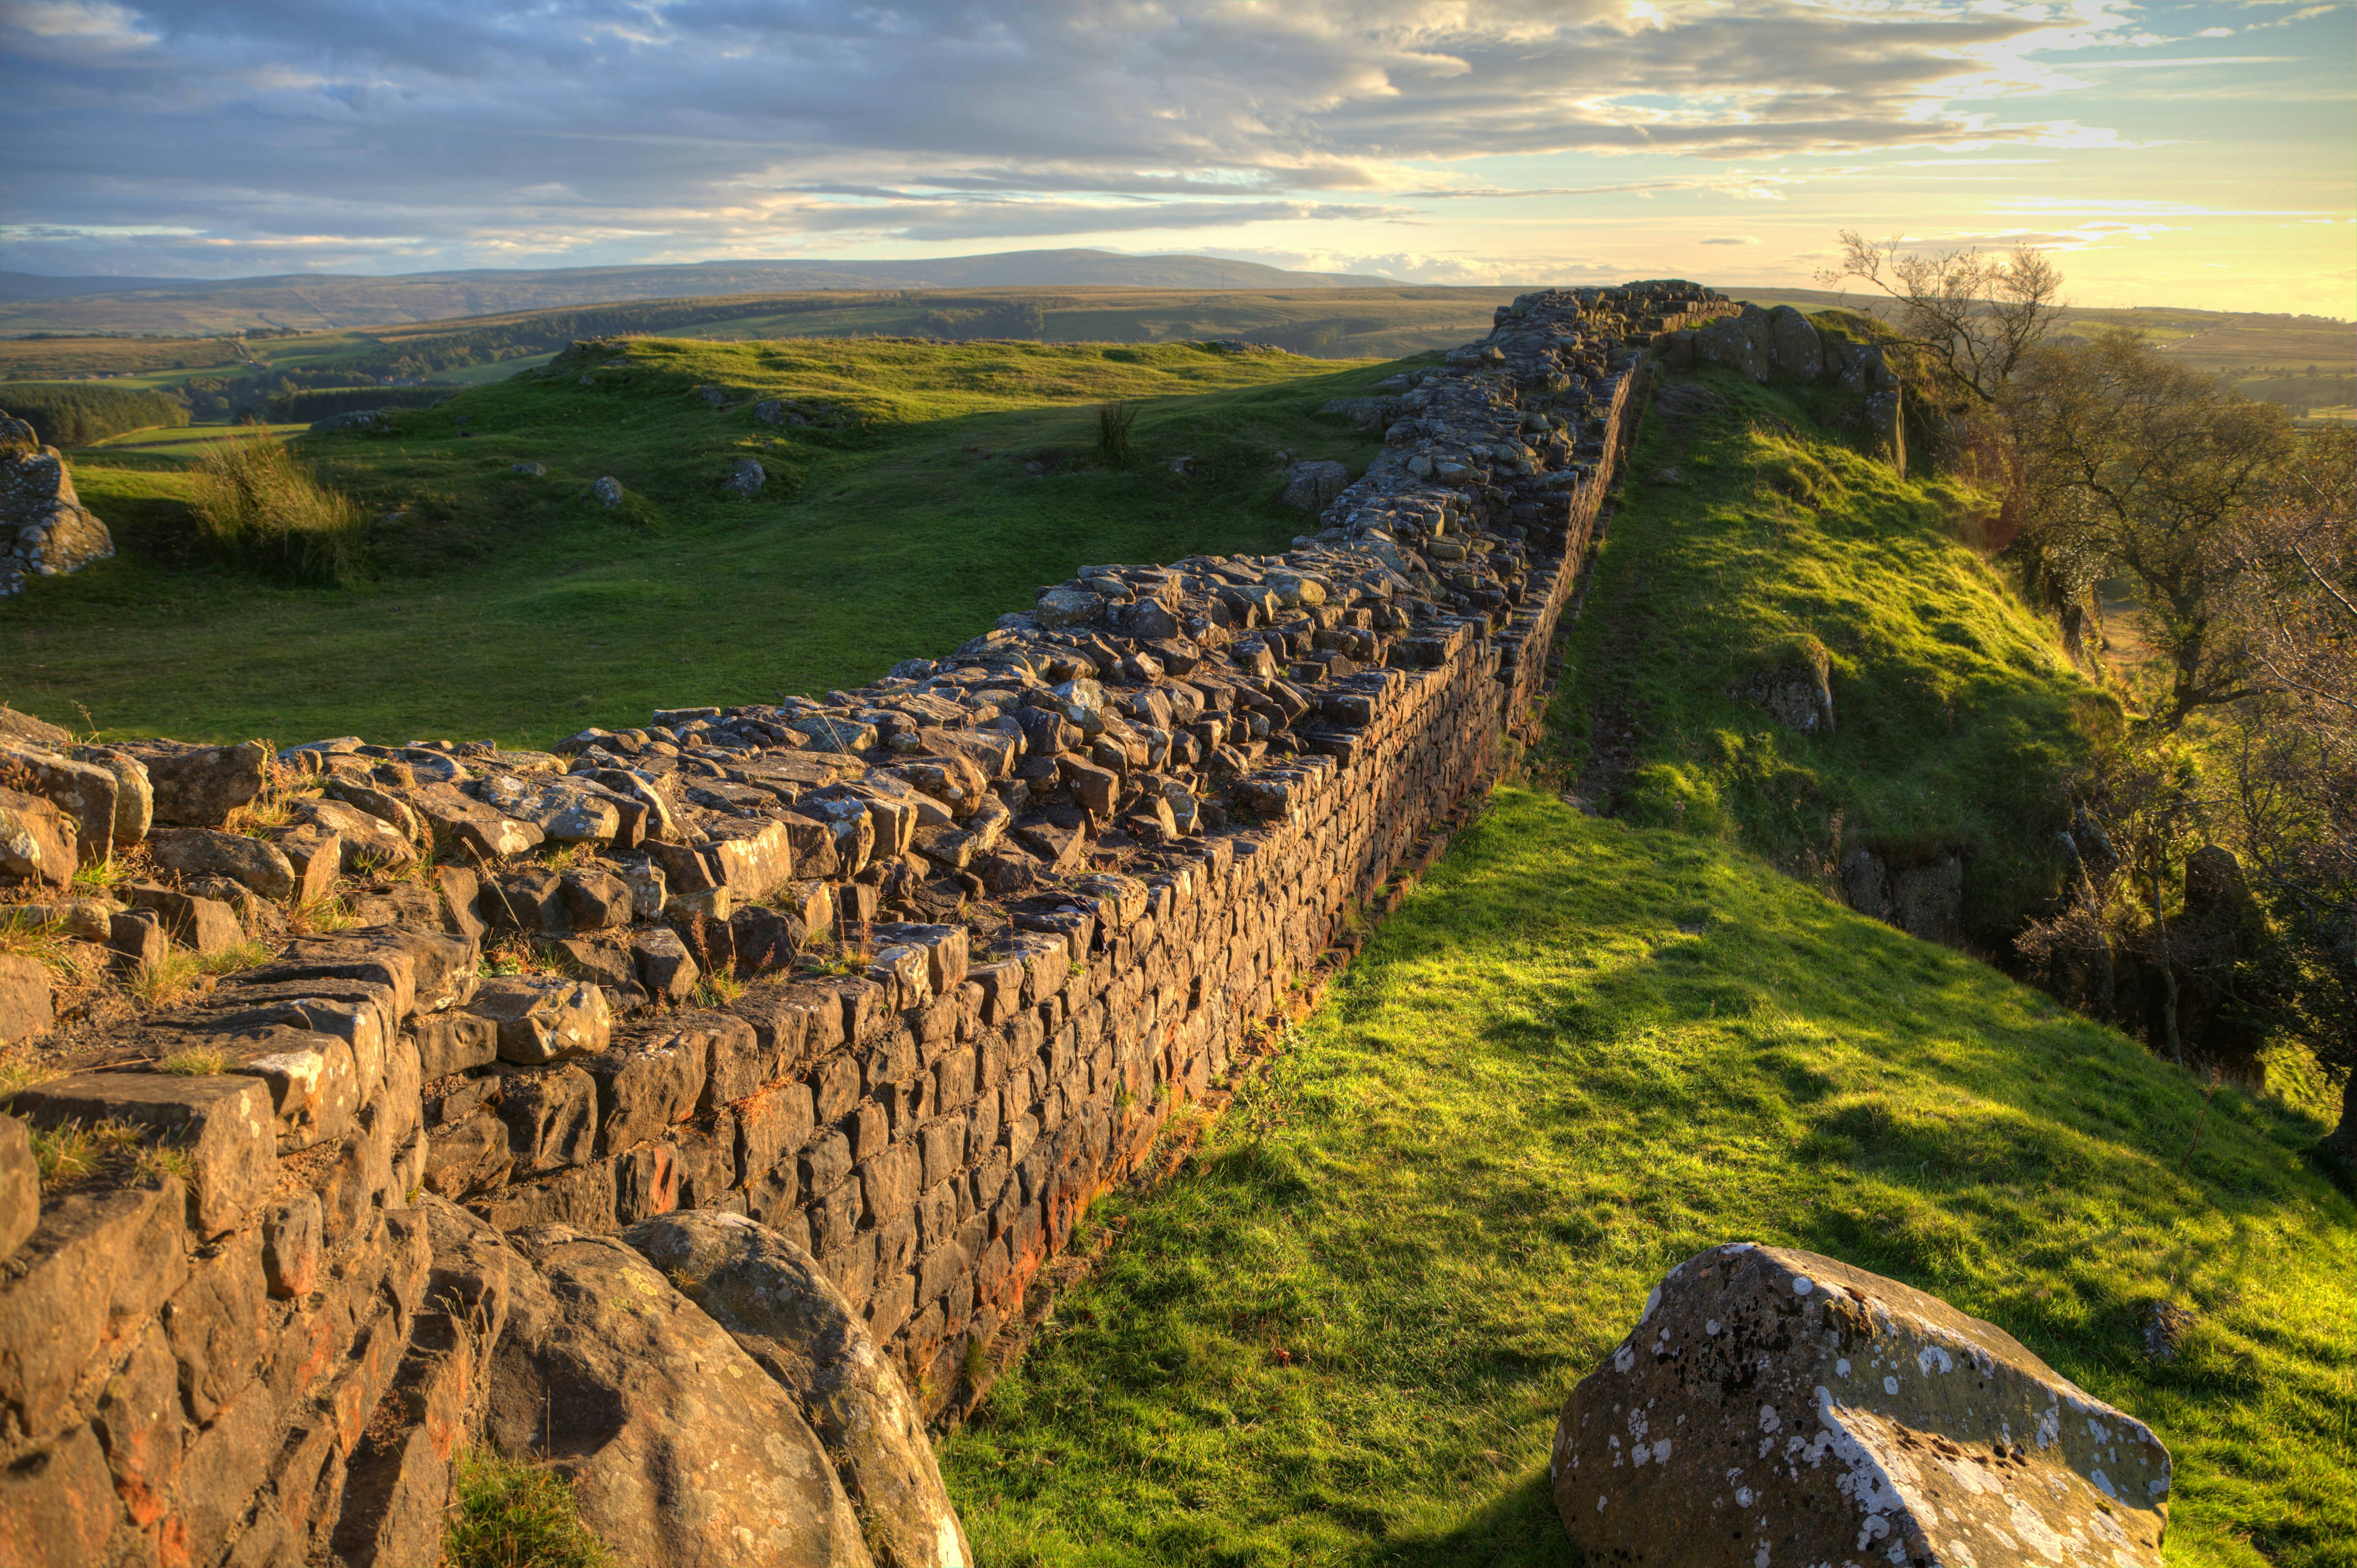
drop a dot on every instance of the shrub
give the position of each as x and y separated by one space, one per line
256 503
76 413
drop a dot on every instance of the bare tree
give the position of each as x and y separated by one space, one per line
2131 463
1975 316
2294 603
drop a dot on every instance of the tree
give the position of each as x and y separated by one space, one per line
2293 566
2131 463
1976 316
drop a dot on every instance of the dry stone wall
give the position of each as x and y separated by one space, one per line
905 974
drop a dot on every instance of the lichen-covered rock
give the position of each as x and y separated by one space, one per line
201 852
683 1452
771 1295
199 786
1774 1406
1796 687
44 531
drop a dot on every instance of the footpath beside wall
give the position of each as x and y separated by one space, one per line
905 974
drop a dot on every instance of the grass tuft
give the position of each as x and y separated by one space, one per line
255 503
508 1513
197 1061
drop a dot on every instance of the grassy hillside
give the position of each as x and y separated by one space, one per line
502 604
1744 533
1329 323
1581 1053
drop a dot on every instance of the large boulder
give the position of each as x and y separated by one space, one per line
1776 1406
684 1454
44 531
770 1294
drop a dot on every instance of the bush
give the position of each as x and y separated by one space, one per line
507 1513
321 402
76 413
257 503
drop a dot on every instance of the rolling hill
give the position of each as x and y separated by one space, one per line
320 302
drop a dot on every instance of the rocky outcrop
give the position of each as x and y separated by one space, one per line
771 1297
1782 341
905 974
44 531
1778 1406
683 1453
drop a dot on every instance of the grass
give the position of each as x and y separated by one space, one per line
1957 716
510 1513
1580 1053
498 605
186 441
74 1152
255 503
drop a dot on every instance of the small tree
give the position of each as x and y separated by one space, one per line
2131 463
1975 316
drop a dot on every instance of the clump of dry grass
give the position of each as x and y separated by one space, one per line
255 500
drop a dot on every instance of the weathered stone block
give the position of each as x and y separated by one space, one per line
541 1018
224 1124
199 786
1842 1415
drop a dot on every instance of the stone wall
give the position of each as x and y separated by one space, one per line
908 974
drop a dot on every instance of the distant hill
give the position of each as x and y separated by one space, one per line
15 286
312 302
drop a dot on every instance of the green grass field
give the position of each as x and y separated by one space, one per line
1581 1053
503 606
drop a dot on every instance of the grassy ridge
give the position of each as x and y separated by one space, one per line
1581 1053
1743 532
503 606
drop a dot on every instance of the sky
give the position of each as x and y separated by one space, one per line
2194 154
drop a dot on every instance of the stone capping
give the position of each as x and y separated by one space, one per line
1166 786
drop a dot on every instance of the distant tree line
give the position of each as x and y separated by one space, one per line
997 318
75 413
319 402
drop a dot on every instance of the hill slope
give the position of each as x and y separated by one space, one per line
1578 1055
1749 530
315 301
503 605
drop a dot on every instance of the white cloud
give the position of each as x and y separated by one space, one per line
615 124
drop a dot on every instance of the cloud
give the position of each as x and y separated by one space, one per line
1730 239
348 131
